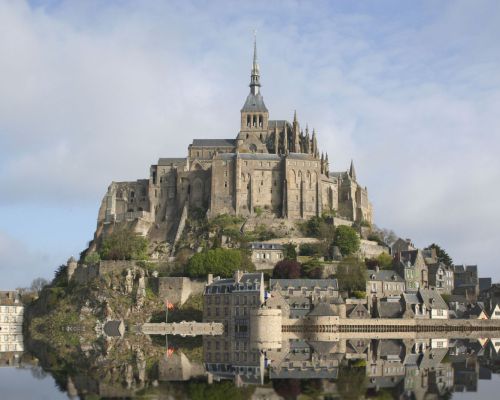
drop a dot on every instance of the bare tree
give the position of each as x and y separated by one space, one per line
38 284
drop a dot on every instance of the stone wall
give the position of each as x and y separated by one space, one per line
177 289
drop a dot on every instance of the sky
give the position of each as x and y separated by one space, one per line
96 91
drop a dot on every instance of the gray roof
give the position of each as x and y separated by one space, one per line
432 299
411 298
390 309
383 275
266 246
254 103
323 309
169 161
214 142
300 156
300 283
259 156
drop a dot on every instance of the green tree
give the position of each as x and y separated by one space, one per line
441 253
351 274
312 269
222 262
351 382
289 252
384 261
92 257
346 239
124 244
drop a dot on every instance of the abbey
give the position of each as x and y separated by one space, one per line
272 166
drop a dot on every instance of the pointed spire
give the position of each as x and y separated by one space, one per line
352 171
255 76
294 115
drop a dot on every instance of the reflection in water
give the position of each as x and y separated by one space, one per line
212 367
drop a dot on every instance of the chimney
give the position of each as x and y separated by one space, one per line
377 268
210 279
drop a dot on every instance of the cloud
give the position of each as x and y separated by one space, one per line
94 92
19 265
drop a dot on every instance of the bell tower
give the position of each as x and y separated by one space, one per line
254 114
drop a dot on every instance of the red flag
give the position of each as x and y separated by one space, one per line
169 305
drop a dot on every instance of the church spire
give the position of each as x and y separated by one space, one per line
352 171
255 75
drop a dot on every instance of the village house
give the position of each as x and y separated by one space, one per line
466 281
266 255
426 303
230 301
11 322
411 266
491 299
382 283
441 278
402 245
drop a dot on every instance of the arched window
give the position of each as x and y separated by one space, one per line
248 121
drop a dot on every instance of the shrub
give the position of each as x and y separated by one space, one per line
124 244
312 269
351 274
289 252
347 240
91 258
221 262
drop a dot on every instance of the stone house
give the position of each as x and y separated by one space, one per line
412 267
11 322
426 303
357 309
302 296
316 289
266 255
382 283
466 281
491 299
231 301
441 278
402 245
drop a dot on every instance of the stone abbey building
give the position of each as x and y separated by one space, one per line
271 165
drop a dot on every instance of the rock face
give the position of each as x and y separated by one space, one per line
272 165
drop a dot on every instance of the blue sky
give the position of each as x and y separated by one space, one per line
97 91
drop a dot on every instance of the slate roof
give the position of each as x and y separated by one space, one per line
300 283
214 142
323 347
390 348
254 103
409 255
265 246
169 161
259 156
389 309
432 299
323 309
383 275
411 298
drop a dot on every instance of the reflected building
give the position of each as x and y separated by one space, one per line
11 322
